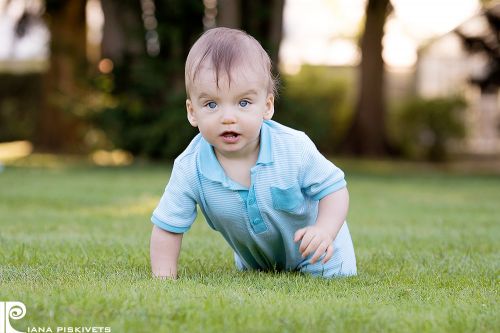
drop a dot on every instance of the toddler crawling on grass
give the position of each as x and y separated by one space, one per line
278 202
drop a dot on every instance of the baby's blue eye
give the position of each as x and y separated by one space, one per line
212 105
243 103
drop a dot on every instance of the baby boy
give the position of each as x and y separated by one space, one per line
278 202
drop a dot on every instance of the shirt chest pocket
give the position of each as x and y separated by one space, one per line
289 199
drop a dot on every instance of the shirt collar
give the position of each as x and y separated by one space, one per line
265 151
210 167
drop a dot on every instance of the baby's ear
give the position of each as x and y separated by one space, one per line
190 113
268 113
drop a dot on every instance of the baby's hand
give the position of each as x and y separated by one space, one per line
314 239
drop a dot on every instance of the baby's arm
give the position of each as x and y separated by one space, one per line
319 237
164 251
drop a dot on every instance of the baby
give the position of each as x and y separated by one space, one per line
278 202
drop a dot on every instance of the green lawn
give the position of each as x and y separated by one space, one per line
74 249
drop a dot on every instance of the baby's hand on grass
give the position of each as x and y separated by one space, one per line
314 239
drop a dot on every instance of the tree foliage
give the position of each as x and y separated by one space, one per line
424 128
148 117
486 42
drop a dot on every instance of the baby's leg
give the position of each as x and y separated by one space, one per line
342 263
239 264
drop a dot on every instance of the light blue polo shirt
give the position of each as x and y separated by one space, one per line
259 222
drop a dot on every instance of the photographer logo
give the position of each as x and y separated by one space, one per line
8 311
17 310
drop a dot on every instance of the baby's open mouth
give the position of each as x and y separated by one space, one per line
230 134
230 137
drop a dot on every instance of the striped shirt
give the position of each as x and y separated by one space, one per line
259 222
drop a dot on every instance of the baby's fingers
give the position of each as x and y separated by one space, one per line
299 234
313 245
329 254
308 244
319 252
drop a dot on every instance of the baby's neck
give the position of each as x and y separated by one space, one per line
238 167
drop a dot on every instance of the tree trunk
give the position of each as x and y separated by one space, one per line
113 36
367 135
228 14
58 128
276 32
262 19
123 32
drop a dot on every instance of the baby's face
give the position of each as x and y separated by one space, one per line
230 116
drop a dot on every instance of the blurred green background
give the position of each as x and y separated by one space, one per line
97 77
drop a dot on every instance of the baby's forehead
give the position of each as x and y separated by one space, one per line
240 73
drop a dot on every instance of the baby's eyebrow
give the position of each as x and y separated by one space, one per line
249 92
204 96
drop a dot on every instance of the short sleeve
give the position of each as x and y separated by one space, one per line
319 177
176 211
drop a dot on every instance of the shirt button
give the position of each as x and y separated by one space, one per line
251 200
256 221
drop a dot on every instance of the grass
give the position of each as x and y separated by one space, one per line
74 249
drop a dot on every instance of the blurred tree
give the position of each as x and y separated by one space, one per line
122 31
487 43
147 81
367 135
424 128
20 92
19 98
260 18
316 101
148 42
58 128
228 13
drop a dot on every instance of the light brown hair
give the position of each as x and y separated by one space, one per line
224 48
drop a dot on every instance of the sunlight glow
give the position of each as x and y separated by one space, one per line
14 150
320 32
115 157
34 45
428 18
400 50
95 24
326 31
315 31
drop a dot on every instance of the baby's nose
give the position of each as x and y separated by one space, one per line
228 116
